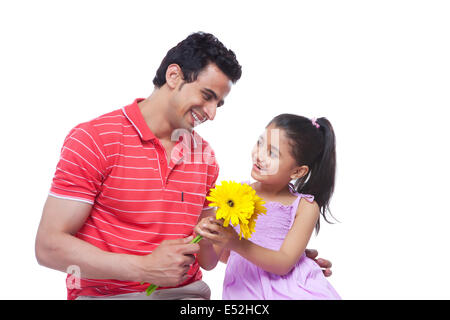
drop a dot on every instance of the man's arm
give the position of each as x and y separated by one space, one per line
57 248
324 264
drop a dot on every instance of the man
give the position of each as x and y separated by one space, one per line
131 184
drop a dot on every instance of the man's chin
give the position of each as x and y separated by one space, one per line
184 127
190 127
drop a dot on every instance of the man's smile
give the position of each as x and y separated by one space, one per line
198 119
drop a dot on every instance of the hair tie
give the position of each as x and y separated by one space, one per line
315 124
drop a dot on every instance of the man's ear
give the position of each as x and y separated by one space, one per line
174 75
299 172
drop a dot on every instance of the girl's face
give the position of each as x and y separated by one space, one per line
273 162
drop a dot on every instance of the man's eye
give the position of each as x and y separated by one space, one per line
207 97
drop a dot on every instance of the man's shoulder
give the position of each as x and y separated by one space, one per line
99 123
98 129
112 118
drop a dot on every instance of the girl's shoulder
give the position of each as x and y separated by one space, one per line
302 197
308 199
307 204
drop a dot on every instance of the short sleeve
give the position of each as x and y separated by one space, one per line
81 167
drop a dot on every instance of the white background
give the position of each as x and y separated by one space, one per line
379 70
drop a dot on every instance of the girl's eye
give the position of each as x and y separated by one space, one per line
206 97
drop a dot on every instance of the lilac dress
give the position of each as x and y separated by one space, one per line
245 281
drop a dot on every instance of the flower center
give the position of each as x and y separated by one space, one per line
230 203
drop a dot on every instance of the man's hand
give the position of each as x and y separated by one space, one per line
169 263
213 230
323 263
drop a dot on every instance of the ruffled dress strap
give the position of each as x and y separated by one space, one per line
307 197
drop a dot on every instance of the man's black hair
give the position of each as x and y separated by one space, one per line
194 53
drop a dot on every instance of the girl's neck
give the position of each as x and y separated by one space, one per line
270 190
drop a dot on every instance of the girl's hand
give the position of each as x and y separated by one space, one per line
214 231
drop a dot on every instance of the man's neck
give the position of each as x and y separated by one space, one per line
153 110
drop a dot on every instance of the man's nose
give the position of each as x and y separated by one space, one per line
210 110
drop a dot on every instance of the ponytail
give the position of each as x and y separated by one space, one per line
322 171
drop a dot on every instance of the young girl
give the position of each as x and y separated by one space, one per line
272 264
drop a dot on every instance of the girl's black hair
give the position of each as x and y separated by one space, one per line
313 145
194 53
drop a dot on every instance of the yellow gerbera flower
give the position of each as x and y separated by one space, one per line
259 205
246 230
233 201
237 203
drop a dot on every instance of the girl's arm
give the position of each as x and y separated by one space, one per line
209 253
281 262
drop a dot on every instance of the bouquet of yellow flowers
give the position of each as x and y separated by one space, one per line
237 204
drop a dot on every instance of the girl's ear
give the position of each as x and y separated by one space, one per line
299 172
173 75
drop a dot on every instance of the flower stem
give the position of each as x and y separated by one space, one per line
197 239
151 288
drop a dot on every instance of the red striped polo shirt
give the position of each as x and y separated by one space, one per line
115 163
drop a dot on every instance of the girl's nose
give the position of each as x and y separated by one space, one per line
261 155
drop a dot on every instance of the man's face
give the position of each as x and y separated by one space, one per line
194 103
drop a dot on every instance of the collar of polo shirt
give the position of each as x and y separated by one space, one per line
134 115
